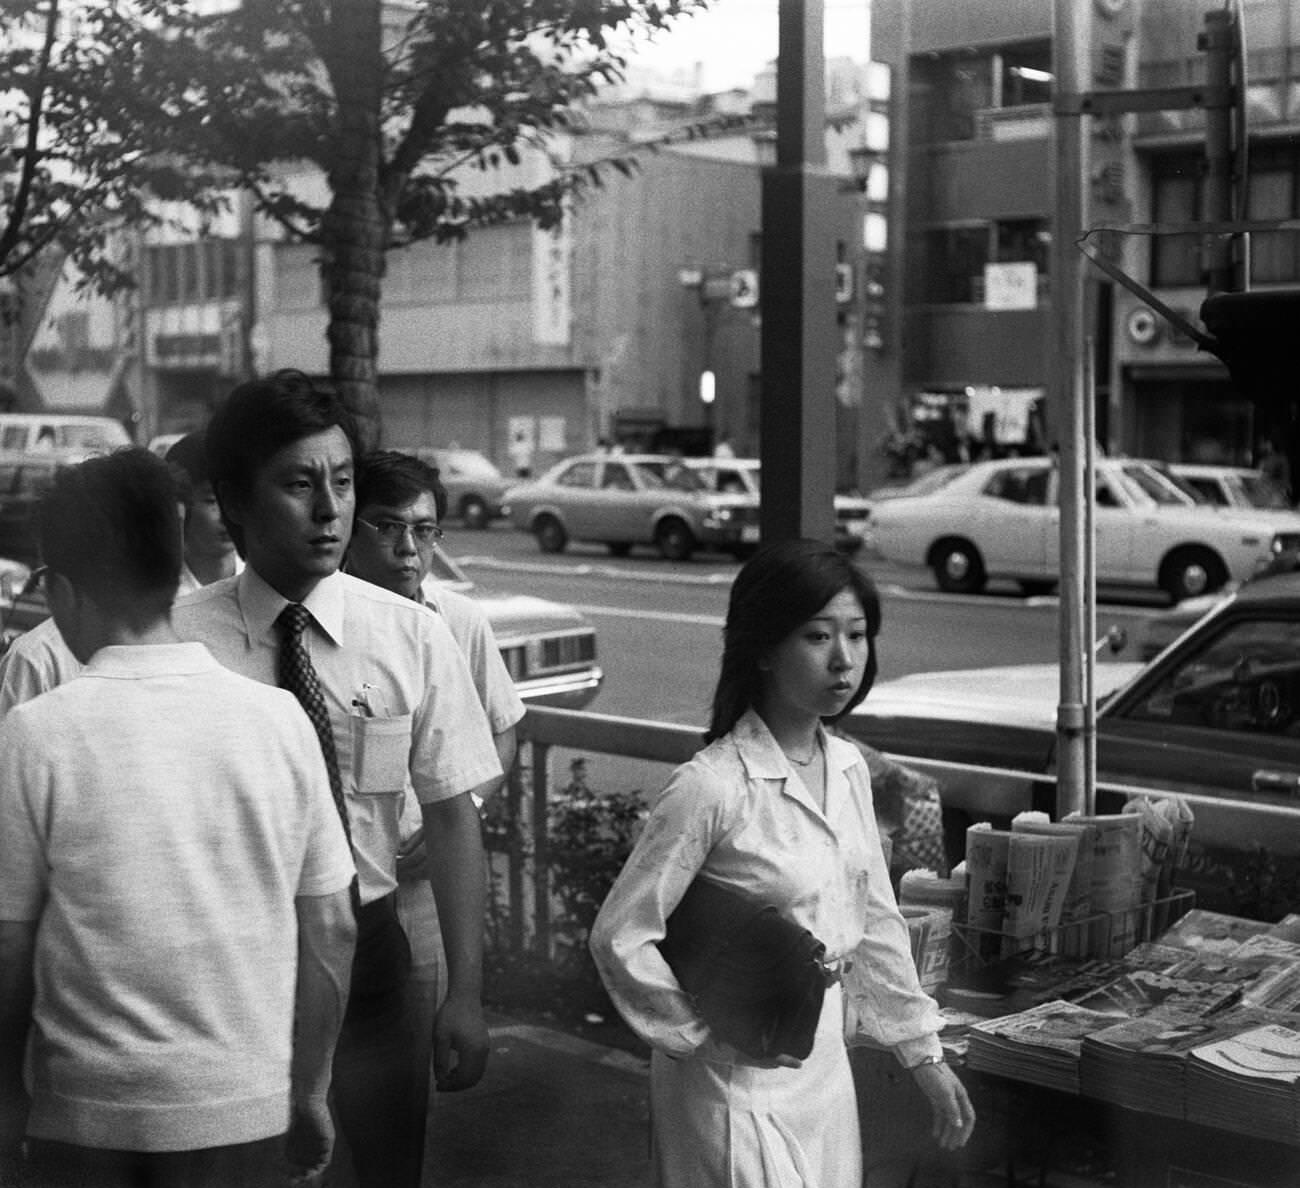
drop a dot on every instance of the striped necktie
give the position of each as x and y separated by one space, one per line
298 676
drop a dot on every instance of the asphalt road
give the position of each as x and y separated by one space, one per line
659 623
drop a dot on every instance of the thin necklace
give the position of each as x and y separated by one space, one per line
816 750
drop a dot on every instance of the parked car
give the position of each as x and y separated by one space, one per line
726 476
624 500
163 442
1217 716
1000 519
1233 486
474 485
549 649
69 437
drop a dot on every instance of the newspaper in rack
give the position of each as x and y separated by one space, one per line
1039 868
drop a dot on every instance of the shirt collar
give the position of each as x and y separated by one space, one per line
261 605
764 759
143 660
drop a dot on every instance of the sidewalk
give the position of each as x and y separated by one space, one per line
552 1111
556 1111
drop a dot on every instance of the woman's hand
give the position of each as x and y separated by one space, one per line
954 1116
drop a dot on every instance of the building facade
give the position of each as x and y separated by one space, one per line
975 206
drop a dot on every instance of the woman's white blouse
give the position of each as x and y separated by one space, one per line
739 814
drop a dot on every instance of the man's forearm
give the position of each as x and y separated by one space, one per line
326 939
457 874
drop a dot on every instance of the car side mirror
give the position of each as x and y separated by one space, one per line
1114 641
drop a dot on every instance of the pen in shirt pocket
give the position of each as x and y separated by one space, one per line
369 702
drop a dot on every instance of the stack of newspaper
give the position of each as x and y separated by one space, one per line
1141 1063
1040 1045
1248 1082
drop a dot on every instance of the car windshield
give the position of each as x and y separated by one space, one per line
657 476
1261 491
935 480
1146 485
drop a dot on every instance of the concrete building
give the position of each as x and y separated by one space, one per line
975 194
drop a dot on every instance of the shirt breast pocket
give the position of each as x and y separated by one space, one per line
381 749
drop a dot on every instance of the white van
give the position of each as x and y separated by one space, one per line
70 438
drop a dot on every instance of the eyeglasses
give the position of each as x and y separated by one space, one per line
393 532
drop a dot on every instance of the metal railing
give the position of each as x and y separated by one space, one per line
980 791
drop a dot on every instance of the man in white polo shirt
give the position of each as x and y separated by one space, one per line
394 703
176 927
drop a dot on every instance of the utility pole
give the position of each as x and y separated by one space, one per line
1071 42
799 333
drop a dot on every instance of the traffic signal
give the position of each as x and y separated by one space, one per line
1253 334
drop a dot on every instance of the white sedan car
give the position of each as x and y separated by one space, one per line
1001 520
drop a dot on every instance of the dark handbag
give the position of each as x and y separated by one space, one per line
756 978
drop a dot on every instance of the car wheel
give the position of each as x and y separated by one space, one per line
1034 589
550 533
675 540
618 548
474 512
957 566
1189 572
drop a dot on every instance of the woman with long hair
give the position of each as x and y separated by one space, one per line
777 809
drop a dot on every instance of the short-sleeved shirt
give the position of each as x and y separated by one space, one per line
399 694
473 634
159 817
36 662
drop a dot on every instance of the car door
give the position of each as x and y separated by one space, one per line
573 494
1219 719
617 513
1015 522
1116 521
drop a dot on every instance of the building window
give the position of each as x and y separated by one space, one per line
956 92
1176 198
955 256
192 273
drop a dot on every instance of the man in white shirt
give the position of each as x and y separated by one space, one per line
176 927
400 502
397 705
39 660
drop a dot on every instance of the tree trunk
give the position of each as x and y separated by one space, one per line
355 228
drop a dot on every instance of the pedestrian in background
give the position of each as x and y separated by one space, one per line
39 659
776 809
210 554
392 701
400 504
175 918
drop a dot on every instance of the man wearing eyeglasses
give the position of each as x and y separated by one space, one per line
400 501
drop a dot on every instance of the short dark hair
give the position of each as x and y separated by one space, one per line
391 478
258 419
109 526
188 461
781 587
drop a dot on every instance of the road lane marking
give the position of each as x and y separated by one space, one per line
620 612
587 570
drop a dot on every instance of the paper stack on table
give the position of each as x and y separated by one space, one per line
1141 1063
1247 1083
1040 1045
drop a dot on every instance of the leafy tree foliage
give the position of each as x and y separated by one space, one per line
85 119
395 104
